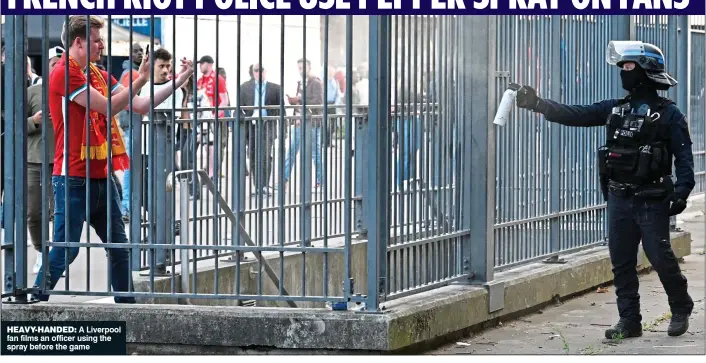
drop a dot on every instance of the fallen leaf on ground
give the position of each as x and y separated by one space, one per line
602 290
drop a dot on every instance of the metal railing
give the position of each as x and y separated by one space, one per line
402 158
697 111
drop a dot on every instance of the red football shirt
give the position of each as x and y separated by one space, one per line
76 122
207 82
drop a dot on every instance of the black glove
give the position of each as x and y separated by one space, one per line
676 204
527 98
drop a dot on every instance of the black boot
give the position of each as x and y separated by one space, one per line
679 325
624 329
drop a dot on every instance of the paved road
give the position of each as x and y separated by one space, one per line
576 326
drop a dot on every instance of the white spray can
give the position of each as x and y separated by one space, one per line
506 104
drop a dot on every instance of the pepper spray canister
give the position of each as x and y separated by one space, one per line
506 104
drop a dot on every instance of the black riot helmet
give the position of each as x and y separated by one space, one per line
647 56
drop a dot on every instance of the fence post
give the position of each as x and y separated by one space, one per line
673 68
555 156
683 75
136 192
480 148
161 213
15 198
8 205
377 192
20 160
671 54
359 155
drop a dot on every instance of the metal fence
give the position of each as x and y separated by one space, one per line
398 153
697 108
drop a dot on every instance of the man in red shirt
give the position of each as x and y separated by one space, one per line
219 97
71 175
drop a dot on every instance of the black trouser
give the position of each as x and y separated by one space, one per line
332 124
631 218
260 151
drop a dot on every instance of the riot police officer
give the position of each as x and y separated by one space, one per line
645 132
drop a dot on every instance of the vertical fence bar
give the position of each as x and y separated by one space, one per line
183 223
135 181
216 175
109 180
10 279
325 186
45 175
307 135
20 158
555 156
155 230
67 211
348 177
465 77
697 113
670 40
682 58
280 195
378 123
482 138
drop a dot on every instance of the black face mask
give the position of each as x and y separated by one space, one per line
633 79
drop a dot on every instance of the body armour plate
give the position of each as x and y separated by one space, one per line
636 146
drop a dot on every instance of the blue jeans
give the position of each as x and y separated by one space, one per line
126 178
294 143
409 140
631 219
119 258
187 145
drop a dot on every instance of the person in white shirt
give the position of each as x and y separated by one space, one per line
32 77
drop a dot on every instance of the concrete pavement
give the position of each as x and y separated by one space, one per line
576 326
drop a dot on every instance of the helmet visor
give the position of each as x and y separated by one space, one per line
617 49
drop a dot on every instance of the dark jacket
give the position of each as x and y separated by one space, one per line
679 144
34 132
272 97
314 97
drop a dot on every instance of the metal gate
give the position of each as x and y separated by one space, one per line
374 175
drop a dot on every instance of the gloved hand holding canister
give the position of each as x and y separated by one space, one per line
527 98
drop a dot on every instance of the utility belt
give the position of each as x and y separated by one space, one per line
656 190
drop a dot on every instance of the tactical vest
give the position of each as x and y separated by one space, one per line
636 149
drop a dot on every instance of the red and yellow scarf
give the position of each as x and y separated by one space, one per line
98 147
